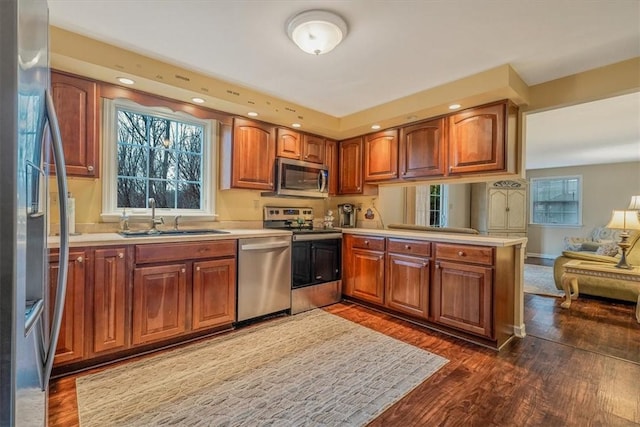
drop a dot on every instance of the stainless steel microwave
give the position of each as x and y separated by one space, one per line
295 178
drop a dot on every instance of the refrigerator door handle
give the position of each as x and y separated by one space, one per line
61 287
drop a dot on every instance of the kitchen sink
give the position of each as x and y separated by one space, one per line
185 232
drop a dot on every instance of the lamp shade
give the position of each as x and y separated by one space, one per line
316 31
634 205
624 220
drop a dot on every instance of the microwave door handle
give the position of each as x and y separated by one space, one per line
322 181
61 287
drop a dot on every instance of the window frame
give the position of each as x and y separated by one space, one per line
443 204
532 192
110 211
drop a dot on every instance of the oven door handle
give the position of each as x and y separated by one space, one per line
263 246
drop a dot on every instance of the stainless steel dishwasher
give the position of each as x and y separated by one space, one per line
264 276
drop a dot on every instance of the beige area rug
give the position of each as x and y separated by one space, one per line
538 279
314 368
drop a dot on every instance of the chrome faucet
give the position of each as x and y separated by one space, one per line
154 221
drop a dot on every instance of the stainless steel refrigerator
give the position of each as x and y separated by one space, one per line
29 142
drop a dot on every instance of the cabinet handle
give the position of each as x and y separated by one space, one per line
120 255
460 253
80 259
90 168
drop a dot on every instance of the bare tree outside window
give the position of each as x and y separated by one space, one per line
160 158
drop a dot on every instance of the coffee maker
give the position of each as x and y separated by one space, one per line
347 215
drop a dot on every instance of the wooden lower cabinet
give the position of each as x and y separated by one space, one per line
70 347
462 297
110 301
365 275
159 303
214 293
407 284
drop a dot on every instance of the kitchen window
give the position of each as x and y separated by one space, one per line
556 201
153 152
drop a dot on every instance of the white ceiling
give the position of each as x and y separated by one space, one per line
393 49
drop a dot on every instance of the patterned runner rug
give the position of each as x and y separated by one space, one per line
310 369
538 279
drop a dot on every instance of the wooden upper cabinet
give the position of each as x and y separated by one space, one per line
253 155
381 156
77 108
423 150
313 149
331 160
350 166
477 139
289 144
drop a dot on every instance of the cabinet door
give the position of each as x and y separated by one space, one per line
350 170
288 144
253 155
498 209
331 160
422 150
477 140
381 156
70 347
462 297
109 300
367 275
313 149
214 293
76 102
159 302
407 284
517 210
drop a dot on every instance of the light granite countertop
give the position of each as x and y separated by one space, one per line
467 239
112 239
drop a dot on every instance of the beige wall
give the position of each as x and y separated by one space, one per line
604 188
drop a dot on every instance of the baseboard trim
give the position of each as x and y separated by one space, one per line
519 331
546 256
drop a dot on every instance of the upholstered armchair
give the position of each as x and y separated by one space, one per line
599 286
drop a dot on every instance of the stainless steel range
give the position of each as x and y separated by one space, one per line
316 267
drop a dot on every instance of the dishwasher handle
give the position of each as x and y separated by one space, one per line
262 246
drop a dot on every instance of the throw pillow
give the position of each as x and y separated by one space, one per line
609 249
573 243
590 246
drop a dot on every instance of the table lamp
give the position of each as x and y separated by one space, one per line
624 220
634 205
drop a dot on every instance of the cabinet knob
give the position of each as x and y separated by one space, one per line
90 168
460 253
424 264
197 268
358 188
80 259
407 247
437 265
507 209
120 255
183 270
366 242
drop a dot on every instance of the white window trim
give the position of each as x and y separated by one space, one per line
556 225
110 212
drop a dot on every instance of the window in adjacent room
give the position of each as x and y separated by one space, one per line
556 200
431 205
160 154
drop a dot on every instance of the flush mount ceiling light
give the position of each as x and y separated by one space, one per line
316 31
198 100
125 81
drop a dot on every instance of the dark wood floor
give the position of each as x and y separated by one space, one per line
576 367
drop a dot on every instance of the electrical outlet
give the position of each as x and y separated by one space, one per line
53 197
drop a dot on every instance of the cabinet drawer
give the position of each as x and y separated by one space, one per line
409 247
467 253
181 251
366 242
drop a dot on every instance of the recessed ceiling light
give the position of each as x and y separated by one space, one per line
198 100
454 106
252 114
375 127
296 125
125 81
